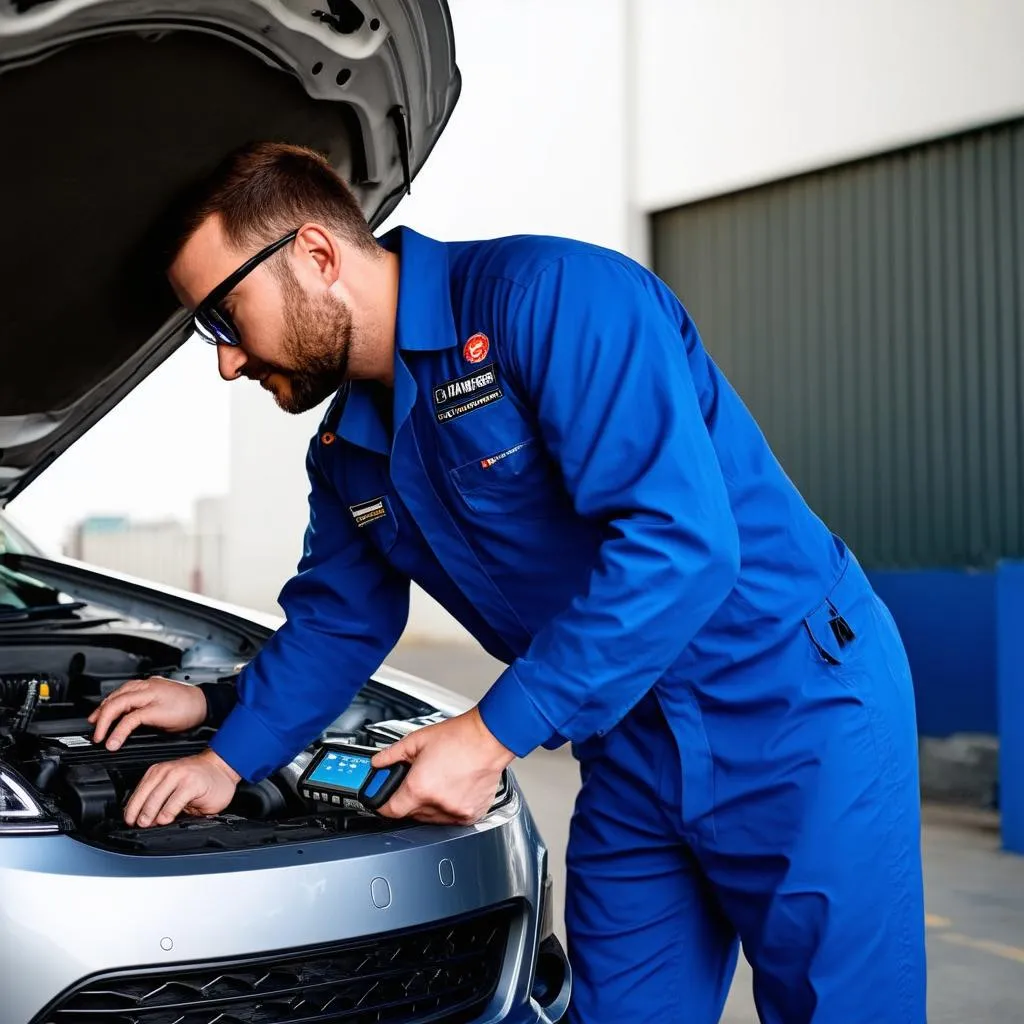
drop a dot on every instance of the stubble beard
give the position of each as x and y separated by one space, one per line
318 339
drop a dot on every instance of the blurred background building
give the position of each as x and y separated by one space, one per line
185 555
160 550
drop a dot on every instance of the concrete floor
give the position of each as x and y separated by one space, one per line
975 893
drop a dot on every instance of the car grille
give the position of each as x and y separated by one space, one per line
447 973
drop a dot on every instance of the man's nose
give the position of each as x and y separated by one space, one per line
230 361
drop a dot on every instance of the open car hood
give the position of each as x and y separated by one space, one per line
109 107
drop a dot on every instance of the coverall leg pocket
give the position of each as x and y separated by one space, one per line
816 856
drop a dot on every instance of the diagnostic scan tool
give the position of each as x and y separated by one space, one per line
344 775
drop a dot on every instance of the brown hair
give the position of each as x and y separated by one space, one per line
262 191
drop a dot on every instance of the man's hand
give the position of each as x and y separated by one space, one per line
163 703
198 785
456 768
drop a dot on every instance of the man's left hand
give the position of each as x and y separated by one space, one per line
456 769
199 785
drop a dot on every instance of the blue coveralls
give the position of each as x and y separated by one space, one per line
562 466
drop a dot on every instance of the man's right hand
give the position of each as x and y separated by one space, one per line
161 703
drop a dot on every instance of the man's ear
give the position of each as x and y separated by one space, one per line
317 256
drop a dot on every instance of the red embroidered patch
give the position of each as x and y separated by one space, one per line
476 349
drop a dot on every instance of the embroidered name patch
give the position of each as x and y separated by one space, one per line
488 462
368 512
456 397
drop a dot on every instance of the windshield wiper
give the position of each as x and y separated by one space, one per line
34 613
55 625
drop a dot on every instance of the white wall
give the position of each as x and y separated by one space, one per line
537 140
267 492
739 92
522 153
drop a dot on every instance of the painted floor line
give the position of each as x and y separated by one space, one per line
1014 953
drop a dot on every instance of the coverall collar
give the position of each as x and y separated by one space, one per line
425 320
424 323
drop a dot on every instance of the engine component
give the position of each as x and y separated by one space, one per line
139 751
28 706
90 782
46 737
93 783
395 729
13 687
90 794
20 695
260 800
56 727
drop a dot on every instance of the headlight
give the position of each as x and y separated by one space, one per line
20 814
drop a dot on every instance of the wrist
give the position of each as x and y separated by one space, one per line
202 705
502 757
217 761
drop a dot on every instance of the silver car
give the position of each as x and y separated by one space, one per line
276 911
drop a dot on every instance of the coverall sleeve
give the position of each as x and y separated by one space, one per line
599 353
345 609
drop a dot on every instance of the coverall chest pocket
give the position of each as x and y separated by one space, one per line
520 480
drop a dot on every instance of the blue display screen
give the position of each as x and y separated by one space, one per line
349 771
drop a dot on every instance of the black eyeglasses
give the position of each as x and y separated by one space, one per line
215 325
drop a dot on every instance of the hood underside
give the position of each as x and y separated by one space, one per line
109 108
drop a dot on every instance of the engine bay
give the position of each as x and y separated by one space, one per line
49 689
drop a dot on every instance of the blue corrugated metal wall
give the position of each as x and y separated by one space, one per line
947 619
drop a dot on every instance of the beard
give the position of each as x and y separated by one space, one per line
317 342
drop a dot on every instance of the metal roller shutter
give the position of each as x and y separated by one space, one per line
872 317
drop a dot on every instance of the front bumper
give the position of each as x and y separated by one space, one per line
69 911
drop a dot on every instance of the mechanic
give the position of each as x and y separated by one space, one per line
531 430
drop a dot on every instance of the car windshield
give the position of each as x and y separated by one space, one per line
13 542
19 592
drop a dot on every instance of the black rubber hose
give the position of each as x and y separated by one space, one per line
46 772
28 707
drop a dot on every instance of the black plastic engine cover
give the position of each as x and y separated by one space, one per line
90 794
92 783
140 749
